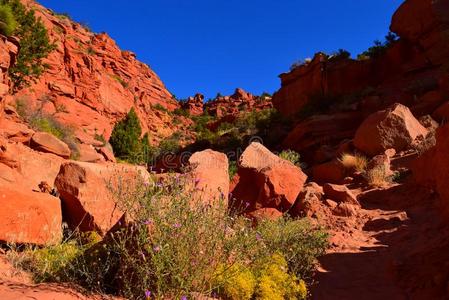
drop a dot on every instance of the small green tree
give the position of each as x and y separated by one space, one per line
125 138
35 45
8 23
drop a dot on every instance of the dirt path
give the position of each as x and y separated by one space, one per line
395 247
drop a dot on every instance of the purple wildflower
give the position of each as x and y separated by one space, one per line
143 255
147 294
258 237
156 248
247 204
184 298
197 181
177 225
148 222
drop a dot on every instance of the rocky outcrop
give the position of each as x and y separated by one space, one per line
194 105
431 169
266 181
210 176
87 193
395 128
236 103
29 217
45 142
91 83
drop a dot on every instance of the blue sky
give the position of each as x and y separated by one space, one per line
212 46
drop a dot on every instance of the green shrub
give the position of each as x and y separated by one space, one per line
40 121
8 23
119 79
34 45
379 47
182 112
125 139
159 106
233 169
236 282
291 156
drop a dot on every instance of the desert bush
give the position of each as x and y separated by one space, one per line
125 139
377 176
379 47
182 112
8 23
178 245
356 162
341 54
41 121
291 156
233 168
35 45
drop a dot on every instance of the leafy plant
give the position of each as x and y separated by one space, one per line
125 139
379 47
35 45
8 23
291 156
178 244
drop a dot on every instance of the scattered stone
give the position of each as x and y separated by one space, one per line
45 142
339 193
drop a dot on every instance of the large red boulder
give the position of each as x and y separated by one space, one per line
210 175
87 193
45 142
267 181
395 128
29 217
432 168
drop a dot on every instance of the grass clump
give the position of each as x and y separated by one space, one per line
355 162
180 245
8 23
377 176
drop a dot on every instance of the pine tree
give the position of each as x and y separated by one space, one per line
125 138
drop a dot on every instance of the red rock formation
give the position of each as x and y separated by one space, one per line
29 217
266 181
91 83
395 128
210 175
234 104
194 105
88 200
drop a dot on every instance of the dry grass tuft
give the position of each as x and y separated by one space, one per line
377 177
356 162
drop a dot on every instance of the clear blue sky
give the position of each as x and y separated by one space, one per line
212 46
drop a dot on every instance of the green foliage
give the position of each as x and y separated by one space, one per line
342 54
116 77
41 121
34 45
379 47
8 23
100 138
159 106
182 112
181 245
125 139
233 168
291 156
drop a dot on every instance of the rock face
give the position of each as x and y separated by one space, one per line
88 201
91 83
45 142
29 217
431 169
194 105
234 104
267 181
394 128
210 175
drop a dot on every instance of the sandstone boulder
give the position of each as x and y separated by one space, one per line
267 181
339 193
210 175
45 142
333 172
87 153
87 193
29 217
395 128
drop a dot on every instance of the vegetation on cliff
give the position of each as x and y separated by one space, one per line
35 44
